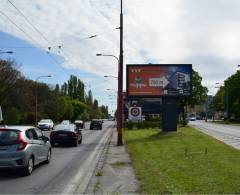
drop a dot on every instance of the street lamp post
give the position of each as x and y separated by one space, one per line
36 96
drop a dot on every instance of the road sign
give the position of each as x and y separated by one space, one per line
135 113
159 80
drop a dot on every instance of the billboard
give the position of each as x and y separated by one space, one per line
147 80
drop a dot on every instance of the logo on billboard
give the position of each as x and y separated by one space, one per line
138 83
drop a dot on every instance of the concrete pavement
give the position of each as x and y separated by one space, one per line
114 173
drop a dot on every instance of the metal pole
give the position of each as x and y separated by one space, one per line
120 85
36 103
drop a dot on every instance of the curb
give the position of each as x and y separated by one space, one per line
93 185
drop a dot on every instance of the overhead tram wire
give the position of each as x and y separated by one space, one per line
19 28
36 29
57 46
42 35
29 36
39 32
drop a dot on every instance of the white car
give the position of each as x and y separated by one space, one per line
192 118
45 124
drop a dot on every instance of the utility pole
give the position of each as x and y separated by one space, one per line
120 84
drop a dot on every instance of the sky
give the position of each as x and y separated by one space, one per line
199 32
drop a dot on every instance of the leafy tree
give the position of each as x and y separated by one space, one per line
8 78
199 94
232 88
17 98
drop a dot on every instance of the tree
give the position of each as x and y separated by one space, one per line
232 88
8 78
89 98
199 94
17 98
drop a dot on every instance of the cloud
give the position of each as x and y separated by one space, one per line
204 32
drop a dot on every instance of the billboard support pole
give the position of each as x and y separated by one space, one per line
169 114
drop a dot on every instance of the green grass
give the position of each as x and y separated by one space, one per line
186 161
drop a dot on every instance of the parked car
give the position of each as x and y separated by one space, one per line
45 124
79 124
96 124
68 133
23 147
192 118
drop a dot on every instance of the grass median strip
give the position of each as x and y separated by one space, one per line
186 161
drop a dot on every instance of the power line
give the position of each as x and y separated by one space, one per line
29 36
57 46
40 33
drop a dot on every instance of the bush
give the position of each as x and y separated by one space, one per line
129 125
183 122
142 124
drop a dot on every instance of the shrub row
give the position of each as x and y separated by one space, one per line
142 125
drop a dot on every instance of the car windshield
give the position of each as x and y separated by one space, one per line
45 121
8 137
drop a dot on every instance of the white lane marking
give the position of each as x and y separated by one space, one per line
79 182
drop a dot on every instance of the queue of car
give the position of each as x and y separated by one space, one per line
23 147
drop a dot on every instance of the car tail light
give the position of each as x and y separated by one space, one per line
22 143
72 134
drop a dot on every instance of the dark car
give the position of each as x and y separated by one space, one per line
96 125
66 133
79 124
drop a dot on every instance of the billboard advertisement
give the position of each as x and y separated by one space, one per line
147 80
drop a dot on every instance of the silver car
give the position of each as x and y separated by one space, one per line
23 147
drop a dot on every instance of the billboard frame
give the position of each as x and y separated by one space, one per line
156 65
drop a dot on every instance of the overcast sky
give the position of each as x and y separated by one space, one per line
205 33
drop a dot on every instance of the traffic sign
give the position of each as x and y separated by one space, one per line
135 113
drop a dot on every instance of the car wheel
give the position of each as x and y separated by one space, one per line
29 168
80 141
49 155
75 144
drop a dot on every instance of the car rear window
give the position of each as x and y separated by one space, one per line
45 121
8 137
64 128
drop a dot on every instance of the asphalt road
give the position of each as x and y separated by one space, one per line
229 134
68 172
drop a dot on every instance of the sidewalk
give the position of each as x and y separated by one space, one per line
114 173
